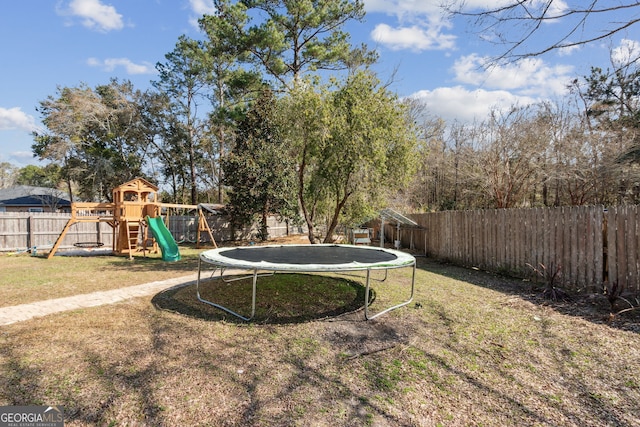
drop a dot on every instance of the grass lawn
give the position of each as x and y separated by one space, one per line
473 349
25 279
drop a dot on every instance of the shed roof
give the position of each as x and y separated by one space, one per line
391 215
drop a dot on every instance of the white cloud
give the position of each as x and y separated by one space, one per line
410 9
15 118
567 51
23 158
130 67
461 104
626 53
530 76
555 8
488 88
199 8
202 7
414 38
96 15
420 25
403 8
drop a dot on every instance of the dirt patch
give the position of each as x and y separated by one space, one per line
355 338
293 239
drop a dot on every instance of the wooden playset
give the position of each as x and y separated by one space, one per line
133 202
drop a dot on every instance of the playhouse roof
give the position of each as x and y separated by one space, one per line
137 184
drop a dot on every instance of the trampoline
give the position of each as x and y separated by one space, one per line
304 259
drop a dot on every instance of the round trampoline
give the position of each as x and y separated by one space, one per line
305 259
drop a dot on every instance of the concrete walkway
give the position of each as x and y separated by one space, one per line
19 313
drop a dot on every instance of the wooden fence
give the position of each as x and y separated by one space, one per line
589 246
20 231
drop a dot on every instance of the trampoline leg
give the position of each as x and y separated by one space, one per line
225 309
366 296
253 296
402 304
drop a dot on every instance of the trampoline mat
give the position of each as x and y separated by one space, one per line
310 254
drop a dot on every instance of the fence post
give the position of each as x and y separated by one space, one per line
29 231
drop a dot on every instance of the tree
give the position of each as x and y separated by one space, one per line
232 87
47 176
612 111
156 119
305 115
117 139
519 24
510 159
7 174
451 168
184 78
371 148
291 36
260 174
61 143
95 135
352 146
541 155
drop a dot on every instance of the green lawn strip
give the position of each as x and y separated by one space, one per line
26 279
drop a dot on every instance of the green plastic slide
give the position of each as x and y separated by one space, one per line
168 245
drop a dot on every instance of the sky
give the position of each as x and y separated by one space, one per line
65 43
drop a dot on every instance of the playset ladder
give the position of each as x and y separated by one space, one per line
133 234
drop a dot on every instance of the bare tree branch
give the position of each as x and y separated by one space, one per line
518 22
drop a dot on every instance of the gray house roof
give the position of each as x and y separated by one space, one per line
24 195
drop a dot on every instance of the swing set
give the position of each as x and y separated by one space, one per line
133 203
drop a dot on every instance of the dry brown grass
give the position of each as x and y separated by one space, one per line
475 349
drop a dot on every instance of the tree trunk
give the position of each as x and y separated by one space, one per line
264 229
334 221
305 212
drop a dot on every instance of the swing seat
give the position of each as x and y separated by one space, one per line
88 244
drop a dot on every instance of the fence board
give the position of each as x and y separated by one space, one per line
598 246
538 236
632 253
612 271
620 247
579 258
574 247
548 237
477 245
636 235
583 254
521 240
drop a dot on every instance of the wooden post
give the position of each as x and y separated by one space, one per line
203 225
61 237
29 232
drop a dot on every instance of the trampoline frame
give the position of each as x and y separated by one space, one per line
216 258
